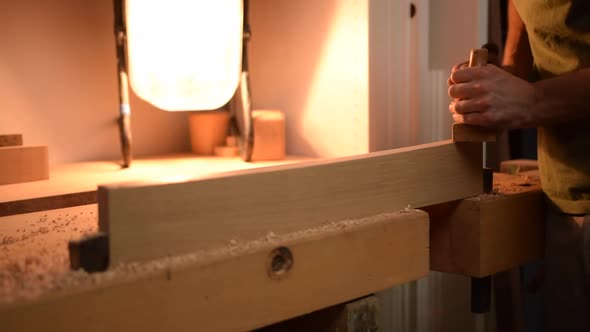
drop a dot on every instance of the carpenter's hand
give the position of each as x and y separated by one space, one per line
489 96
457 67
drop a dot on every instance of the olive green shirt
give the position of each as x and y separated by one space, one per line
559 36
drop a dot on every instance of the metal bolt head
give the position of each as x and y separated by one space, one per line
280 261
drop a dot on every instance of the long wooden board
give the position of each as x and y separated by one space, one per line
146 221
484 235
23 164
76 183
231 290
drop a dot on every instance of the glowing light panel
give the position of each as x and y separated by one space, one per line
184 55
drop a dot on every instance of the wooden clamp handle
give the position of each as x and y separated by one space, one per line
478 57
469 133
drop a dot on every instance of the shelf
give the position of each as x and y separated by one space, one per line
75 184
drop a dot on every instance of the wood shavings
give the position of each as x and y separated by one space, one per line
34 250
43 268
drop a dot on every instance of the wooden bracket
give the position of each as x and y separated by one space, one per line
490 233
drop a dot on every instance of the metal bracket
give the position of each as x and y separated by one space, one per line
90 253
481 294
240 105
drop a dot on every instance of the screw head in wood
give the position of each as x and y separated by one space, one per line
279 263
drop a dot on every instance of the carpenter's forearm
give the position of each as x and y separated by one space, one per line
563 98
518 59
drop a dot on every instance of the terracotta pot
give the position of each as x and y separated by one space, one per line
208 130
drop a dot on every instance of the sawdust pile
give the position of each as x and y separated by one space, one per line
33 249
516 184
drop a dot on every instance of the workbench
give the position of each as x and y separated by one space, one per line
240 283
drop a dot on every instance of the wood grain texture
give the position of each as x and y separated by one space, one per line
154 220
231 290
468 133
487 234
11 140
75 184
23 164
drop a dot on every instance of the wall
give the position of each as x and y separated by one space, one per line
58 83
310 59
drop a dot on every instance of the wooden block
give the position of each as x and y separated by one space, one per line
487 234
358 315
23 164
231 289
153 220
11 140
468 133
269 135
517 166
226 151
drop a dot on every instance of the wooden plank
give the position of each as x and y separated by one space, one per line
468 133
487 234
75 184
359 315
11 140
230 289
23 164
154 220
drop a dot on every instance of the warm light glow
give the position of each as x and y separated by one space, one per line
184 54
